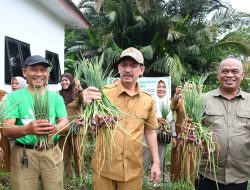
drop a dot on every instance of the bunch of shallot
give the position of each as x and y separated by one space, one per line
100 115
196 138
41 111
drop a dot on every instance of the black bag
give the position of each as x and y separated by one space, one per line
163 137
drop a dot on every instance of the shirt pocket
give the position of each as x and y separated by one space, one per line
212 117
240 137
140 117
141 114
243 119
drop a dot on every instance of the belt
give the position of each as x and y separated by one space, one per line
36 147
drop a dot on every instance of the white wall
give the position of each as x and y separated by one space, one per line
30 22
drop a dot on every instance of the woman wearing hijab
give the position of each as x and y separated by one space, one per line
17 83
161 100
72 94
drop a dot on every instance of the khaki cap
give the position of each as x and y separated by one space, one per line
133 53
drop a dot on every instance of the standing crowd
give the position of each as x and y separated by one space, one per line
32 163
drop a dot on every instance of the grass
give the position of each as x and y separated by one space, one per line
4 181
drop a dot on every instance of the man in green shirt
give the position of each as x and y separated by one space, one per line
30 159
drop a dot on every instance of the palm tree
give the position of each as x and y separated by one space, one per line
176 37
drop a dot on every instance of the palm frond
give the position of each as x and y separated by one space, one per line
204 34
147 52
141 23
109 57
241 47
229 18
177 71
78 48
92 37
163 64
143 5
112 15
173 34
194 50
98 5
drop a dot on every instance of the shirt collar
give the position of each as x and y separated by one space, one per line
240 94
121 89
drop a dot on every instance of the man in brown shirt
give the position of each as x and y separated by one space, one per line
227 114
139 119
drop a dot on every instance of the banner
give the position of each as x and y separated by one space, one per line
149 84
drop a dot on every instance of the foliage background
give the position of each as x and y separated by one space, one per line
181 39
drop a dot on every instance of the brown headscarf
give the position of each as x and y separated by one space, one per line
68 94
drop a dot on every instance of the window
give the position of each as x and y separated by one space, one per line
15 54
55 73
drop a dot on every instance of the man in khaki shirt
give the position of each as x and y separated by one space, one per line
228 115
139 119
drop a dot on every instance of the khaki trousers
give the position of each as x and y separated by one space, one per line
46 165
103 183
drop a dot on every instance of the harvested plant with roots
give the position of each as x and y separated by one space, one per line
195 139
41 111
101 116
